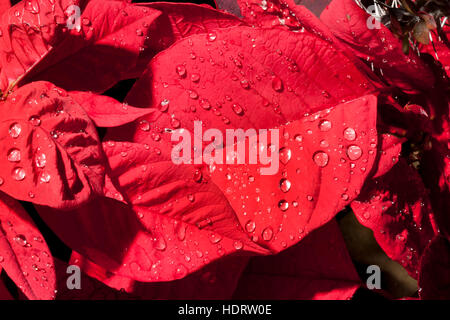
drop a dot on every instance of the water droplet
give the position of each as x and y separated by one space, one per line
18 174
160 244
215 238
2 181
175 123
267 234
205 104
21 240
212 36
14 155
139 33
35 120
32 6
344 196
181 71
285 185
195 77
320 158
250 226
325 125
283 205
277 84
238 245
238 109
45 177
191 197
144 125
285 155
14 130
198 175
349 134
164 105
180 272
245 84
354 152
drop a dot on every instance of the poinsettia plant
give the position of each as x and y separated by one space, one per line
92 92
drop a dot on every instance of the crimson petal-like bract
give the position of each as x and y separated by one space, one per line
50 152
24 255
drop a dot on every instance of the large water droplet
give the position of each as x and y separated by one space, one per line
325 125
181 70
354 152
320 158
160 244
285 185
21 240
45 177
212 36
164 105
14 155
35 120
238 245
144 125
283 205
250 226
267 234
14 130
277 84
238 109
349 134
285 155
18 174
197 176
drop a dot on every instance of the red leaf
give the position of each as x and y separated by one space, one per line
242 68
434 279
389 153
324 160
174 225
50 151
4 5
378 46
29 31
218 280
23 252
178 21
397 209
319 267
112 33
106 111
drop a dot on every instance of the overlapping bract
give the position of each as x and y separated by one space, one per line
139 222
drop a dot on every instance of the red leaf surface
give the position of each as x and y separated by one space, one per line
215 76
106 111
434 280
4 5
400 217
319 267
174 225
50 151
217 280
111 33
178 21
29 31
324 160
390 148
23 252
378 46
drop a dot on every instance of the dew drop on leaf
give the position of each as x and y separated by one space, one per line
14 155
285 185
354 152
285 155
320 158
18 174
267 234
325 125
349 134
14 130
